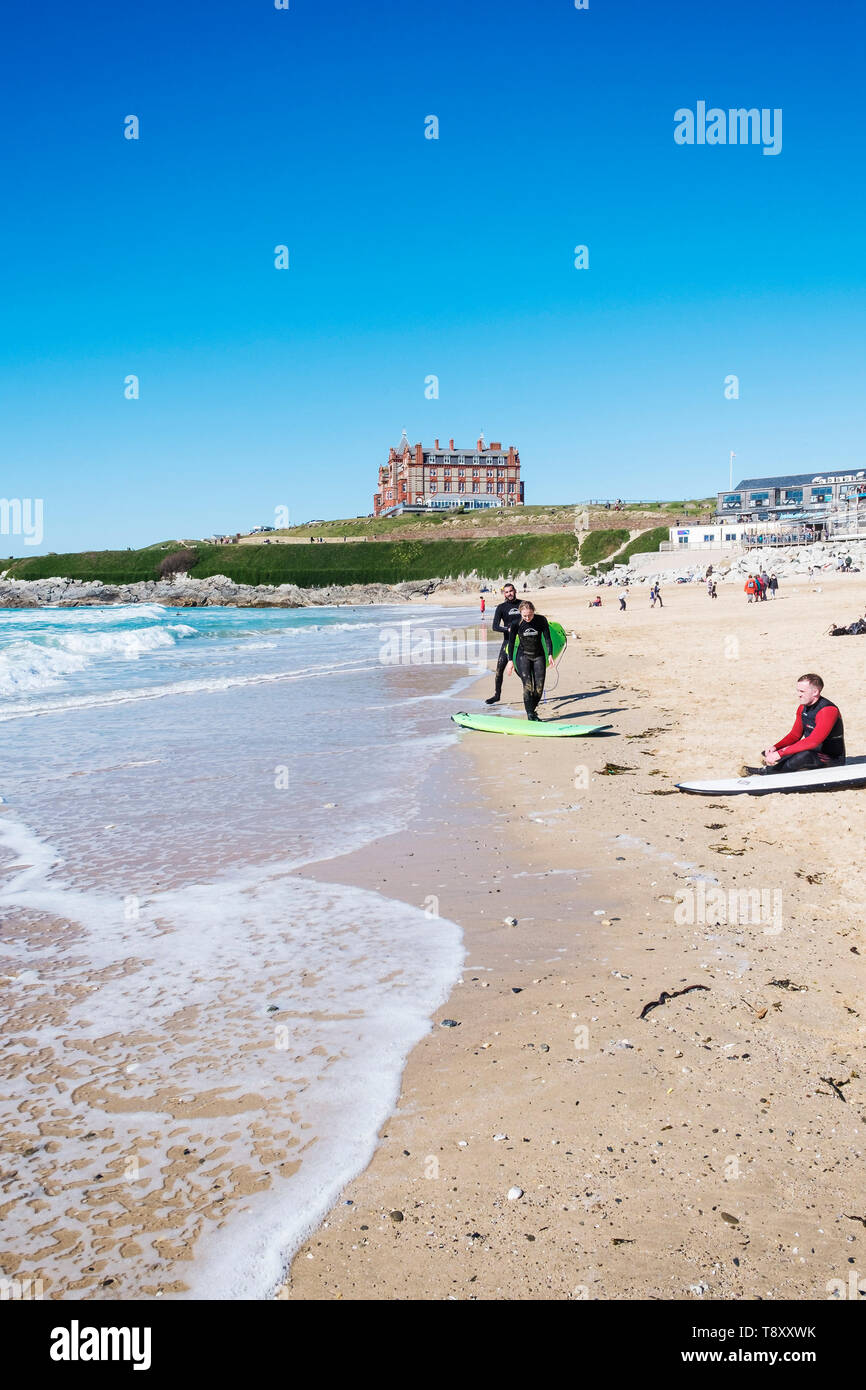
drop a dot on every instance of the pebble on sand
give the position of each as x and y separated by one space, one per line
514 1193
510 921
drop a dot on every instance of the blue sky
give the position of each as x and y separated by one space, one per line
409 257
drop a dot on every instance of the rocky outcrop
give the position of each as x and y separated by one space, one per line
220 591
786 562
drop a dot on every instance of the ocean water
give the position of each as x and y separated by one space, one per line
201 1044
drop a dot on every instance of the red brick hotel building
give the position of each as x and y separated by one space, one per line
418 478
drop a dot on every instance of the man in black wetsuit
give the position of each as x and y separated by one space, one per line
818 737
506 616
533 655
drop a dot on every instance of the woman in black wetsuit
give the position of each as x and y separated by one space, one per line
533 655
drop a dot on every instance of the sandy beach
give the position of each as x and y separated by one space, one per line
711 1149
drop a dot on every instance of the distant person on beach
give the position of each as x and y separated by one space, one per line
534 655
656 596
774 585
750 588
713 591
506 615
622 603
818 736
483 605
595 602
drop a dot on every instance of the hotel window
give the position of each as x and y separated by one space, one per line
461 472
490 472
433 487
730 535
475 475
489 487
390 493
510 487
447 487
476 487
461 487
432 472
447 472
500 487
708 538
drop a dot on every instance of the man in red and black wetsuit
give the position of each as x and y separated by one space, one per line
817 738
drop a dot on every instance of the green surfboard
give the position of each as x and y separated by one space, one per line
496 724
558 637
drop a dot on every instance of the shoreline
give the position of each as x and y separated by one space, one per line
698 1151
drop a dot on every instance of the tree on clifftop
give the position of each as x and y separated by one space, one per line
179 562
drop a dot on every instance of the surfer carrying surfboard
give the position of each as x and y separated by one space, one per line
505 617
818 736
534 643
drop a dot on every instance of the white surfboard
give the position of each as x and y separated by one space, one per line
853 774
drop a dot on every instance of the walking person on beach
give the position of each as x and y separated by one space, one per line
750 588
483 607
506 615
534 655
774 585
818 736
656 596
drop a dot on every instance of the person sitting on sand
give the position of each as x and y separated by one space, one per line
595 602
818 736
534 655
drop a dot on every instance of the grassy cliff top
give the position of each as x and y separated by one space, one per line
526 520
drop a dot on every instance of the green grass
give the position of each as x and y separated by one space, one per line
598 544
385 562
111 566
646 541
486 519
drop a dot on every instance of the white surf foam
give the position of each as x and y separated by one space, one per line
352 978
